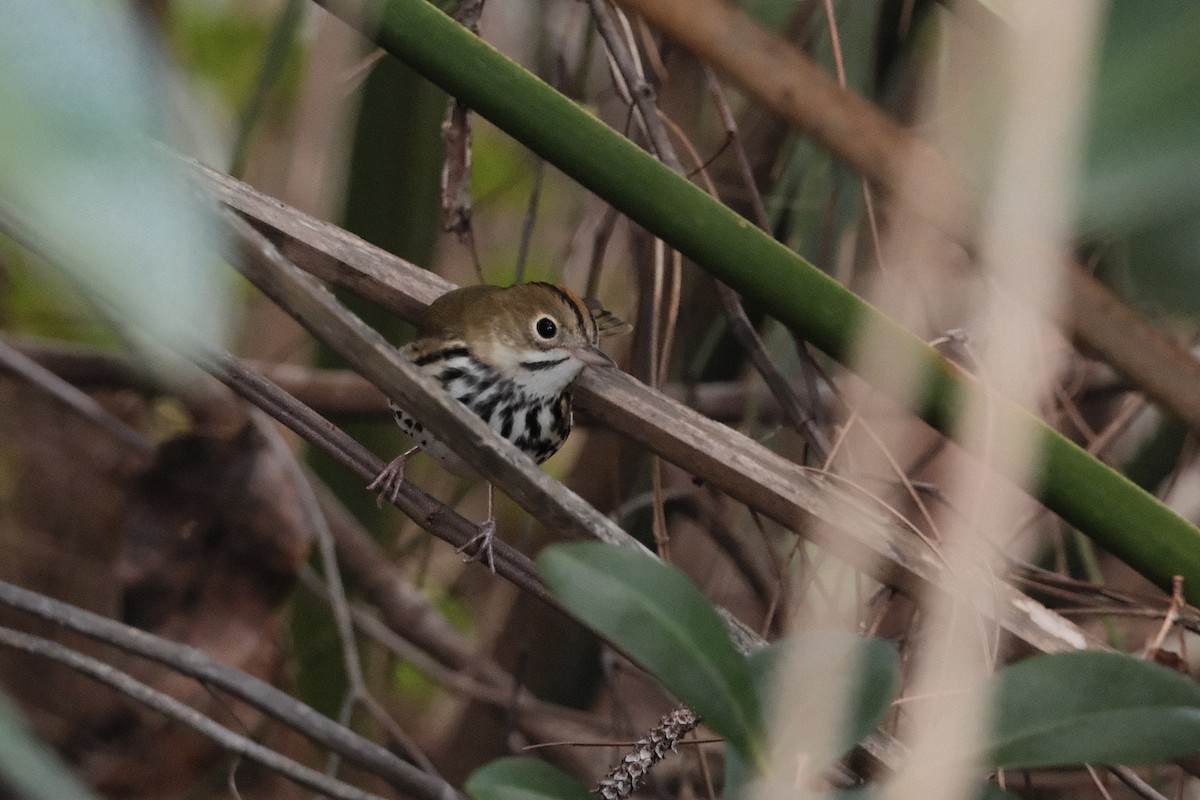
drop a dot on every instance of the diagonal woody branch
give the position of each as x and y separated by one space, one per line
499 461
735 464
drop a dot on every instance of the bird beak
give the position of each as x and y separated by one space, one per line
593 355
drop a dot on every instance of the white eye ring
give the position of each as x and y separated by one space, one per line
546 327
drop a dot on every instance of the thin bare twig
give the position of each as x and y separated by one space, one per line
665 294
456 166
1169 619
1097 782
427 512
761 218
315 520
183 714
604 232
490 686
816 417
197 664
745 334
644 98
531 210
640 92
840 69
1131 779
47 382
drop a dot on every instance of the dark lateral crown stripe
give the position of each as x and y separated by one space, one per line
540 365
586 323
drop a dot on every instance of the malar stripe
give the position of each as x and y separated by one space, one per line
442 355
535 366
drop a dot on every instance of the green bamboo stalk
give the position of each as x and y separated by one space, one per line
1097 500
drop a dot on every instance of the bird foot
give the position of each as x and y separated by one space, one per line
389 480
479 546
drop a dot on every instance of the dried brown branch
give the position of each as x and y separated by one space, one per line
343 392
314 519
1105 327
184 715
635 86
1136 784
71 397
496 459
266 698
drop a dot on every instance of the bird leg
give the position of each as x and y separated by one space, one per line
480 545
390 478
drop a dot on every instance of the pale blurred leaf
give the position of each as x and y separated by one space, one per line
81 178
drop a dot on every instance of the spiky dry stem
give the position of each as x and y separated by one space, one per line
624 779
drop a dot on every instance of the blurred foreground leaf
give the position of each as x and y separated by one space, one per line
81 179
867 669
28 766
864 672
1142 169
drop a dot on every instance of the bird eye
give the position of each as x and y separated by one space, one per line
546 328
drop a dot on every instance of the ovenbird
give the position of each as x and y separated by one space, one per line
510 356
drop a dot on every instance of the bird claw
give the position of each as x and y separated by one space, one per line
389 480
479 546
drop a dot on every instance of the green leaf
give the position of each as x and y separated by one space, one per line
28 766
1142 171
1143 155
523 779
1096 708
664 623
1156 265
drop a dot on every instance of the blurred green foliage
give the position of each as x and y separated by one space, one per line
222 45
1140 193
